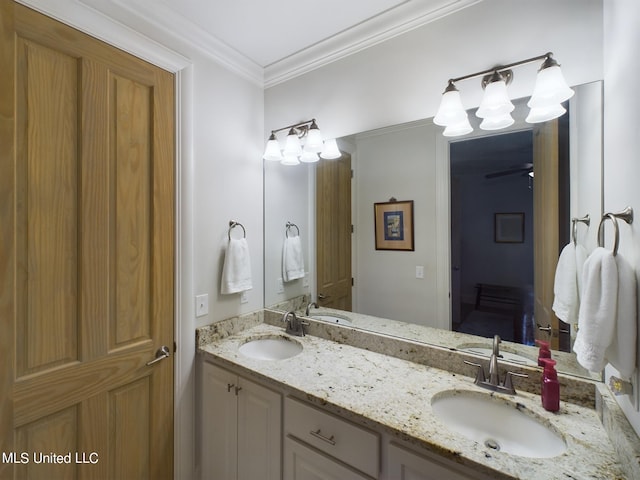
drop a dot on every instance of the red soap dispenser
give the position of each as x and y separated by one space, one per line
550 392
544 351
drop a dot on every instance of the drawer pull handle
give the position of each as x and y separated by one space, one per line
329 440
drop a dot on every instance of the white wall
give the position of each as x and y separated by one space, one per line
622 137
397 162
227 150
401 80
287 191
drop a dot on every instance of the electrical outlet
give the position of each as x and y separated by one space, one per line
244 298
419 271
202 305
305 280
280 287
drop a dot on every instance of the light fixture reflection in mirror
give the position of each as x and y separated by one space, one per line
585 113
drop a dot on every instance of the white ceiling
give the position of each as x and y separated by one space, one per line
270 41
268 31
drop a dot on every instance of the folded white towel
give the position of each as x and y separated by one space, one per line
236 271
566 290
292 259
596 317
622 351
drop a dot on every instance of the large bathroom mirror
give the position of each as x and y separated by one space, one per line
474 229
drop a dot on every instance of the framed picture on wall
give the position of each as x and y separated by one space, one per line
509 227
394 225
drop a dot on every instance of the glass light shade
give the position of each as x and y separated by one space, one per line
272 150
495 101
497 122
543 114
330 150
309 157
458 129
551 88
451 110
292 145
313 142
290 160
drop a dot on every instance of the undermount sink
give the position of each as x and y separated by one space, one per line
332 318
498 424
505 354
270 348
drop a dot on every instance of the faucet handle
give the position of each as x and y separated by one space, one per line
480 377
508 380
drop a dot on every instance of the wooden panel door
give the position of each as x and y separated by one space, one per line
333 232
545 227
86 255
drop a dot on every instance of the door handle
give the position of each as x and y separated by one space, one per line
161 354
322 296
545 329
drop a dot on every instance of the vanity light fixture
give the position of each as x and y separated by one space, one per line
303 143
495 109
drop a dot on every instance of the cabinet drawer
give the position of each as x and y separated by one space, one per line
353 445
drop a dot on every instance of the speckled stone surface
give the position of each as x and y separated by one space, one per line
625 441
393 394
565 362
224 328
572 389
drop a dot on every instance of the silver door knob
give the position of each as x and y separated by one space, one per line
161 354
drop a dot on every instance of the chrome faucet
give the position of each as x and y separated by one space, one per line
295 326
309 305
494 374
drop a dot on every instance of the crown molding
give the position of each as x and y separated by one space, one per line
383 27
162 22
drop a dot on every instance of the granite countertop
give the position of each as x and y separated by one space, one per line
394 394
565 362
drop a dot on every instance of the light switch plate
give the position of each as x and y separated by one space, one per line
244 298
202 305
280 287
419 271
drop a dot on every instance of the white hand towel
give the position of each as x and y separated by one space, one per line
622 351
292 259
236 271
581 257
596 317
566 301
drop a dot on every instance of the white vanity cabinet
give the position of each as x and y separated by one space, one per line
322 446
407 465
241 428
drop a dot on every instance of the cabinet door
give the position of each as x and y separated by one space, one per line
259 432
406 465
218 447
304 463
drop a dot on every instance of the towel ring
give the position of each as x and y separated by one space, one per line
233 225
574 230
626 215
290 225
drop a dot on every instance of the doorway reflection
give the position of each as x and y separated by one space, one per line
492 236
